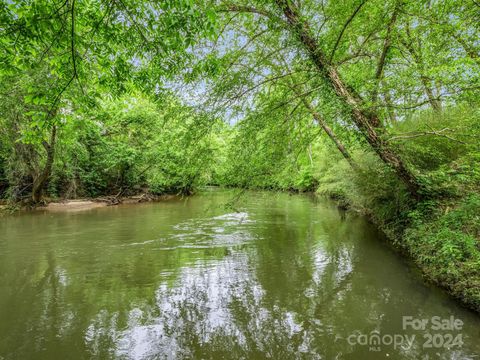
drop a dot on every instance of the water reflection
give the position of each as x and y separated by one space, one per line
217 311
223 311
284 278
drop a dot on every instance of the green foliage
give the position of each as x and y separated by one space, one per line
137 144
372 188
124 146
432 139
3 175
268 154
443 148
447 247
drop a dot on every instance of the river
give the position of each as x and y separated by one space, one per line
218 276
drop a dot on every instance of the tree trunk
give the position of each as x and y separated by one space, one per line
320 121
41 180
389 105
432 99
366 122
417 56
383 56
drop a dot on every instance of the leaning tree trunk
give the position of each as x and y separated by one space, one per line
321 122
367 122
41 180
332 136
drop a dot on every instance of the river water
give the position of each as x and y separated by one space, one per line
218 276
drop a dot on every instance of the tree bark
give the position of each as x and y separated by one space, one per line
321 122
366 122
41 180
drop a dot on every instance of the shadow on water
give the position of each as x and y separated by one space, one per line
282 277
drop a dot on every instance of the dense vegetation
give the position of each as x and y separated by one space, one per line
374 103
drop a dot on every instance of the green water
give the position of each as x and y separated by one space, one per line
268 276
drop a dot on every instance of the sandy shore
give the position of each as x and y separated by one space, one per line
74 205
87 204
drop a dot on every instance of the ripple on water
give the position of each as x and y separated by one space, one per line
226 230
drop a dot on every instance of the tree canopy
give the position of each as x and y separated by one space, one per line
355 71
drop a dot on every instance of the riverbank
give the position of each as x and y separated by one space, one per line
441 237
83 204
445 245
